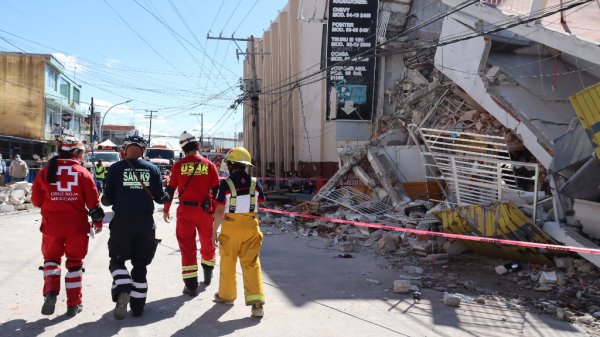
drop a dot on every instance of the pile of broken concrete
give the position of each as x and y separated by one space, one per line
15 197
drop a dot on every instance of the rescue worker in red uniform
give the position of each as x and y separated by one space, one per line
67 194
237 204
197 179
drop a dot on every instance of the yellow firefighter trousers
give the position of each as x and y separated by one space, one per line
241 237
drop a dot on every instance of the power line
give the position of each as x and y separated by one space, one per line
145 41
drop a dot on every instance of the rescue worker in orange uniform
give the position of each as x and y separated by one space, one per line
197 180
67 194
237 204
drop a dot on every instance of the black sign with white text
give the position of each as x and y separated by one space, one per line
351 31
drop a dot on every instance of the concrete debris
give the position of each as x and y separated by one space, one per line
586 319
451 300
6 208
501 270
402 286
16 196
564 263
547 277
412 270
386 244
372 281
348 164
346 247
435 259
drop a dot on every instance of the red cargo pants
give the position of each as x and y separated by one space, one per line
192 219
74 248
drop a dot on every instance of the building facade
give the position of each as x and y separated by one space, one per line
39 101
115 133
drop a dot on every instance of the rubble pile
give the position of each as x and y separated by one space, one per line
15 197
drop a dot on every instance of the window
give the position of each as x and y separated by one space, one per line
75 95
76 124
49 116
65 88
51 78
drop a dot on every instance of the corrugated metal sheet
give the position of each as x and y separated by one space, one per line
499 220
587 107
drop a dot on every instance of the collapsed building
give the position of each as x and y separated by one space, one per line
482 116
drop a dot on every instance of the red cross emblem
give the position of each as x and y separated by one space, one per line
65 181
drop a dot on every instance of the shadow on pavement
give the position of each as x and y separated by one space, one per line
107 325
209 325
306 270
20 327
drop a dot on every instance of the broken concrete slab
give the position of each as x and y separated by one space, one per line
402 286
451 300
412 270
386 244
570 237
547 277
588 213
7 208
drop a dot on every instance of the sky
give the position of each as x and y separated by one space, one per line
152 52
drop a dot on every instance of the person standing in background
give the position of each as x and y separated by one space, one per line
18 169
2 170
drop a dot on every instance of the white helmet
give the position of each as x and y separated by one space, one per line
70 143
186 138
135 137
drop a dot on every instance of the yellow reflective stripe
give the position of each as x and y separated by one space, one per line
255 298
189 275
208 263
233 196
252 192
186 268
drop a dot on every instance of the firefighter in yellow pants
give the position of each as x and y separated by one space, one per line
237 203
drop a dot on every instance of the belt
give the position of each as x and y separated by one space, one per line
190 203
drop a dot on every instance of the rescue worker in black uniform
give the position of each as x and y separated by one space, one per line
132 186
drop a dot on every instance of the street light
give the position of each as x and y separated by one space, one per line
105 113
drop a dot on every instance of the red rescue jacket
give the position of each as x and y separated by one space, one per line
206 178
65 203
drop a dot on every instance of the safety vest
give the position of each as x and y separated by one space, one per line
233 196
100 171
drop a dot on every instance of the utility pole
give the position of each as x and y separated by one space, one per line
252 90
92 125
151 117
201 128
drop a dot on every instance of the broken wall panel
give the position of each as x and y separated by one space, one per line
571 148
587 107
501 221
584 183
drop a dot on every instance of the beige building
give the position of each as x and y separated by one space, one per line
293 133
38 101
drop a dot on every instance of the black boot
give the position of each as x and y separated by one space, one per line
208 271
49 303
191 286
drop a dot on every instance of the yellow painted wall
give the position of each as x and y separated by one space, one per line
22 95
587 106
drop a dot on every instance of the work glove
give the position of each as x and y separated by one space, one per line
98 226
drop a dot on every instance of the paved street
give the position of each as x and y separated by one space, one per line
309 293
